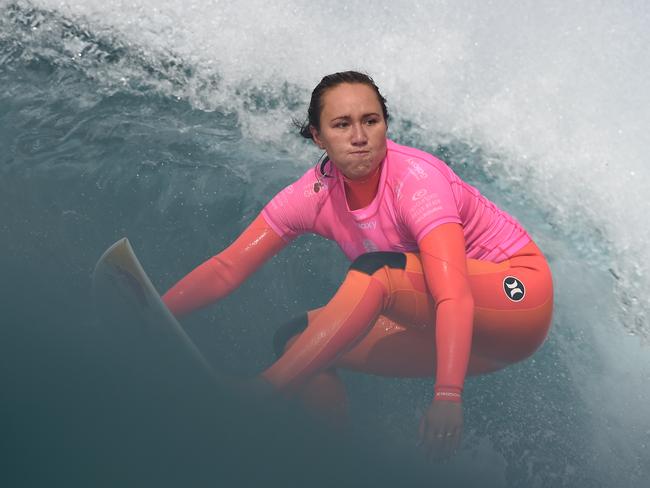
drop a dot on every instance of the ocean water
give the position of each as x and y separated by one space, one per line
170 122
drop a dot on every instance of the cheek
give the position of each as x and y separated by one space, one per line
380 139
335 142
381 130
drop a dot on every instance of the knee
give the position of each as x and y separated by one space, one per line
371 262
287 331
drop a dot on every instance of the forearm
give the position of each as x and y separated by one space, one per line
445 269
207 283
454 324
223 273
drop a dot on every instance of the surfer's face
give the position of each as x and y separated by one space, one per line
352 129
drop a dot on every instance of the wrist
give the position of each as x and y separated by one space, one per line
448 394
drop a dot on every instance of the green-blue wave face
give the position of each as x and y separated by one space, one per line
170 123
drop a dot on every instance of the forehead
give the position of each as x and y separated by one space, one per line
347 98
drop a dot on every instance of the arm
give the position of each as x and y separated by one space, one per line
444 262
445 269
223 273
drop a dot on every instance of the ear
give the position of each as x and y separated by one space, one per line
316 136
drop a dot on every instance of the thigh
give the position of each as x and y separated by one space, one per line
391 349
513 306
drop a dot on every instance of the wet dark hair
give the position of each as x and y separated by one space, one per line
330 81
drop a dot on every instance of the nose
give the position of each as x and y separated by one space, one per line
359 136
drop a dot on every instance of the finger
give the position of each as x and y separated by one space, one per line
429 445
422 428
436 446
424 435
457 440
441 448
450 442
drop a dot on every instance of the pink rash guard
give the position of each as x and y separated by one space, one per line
417 192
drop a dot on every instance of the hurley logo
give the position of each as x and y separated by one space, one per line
514 288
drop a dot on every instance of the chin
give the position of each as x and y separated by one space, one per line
362 172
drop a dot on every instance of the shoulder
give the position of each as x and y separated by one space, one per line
293 210
308 177
309 190
407 152
411 164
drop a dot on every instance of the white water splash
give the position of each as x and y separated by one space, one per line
556 90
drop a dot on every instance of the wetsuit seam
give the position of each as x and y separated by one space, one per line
510 310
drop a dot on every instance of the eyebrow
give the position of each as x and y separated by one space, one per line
371 114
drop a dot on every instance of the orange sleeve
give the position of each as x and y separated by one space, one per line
223 273
444 261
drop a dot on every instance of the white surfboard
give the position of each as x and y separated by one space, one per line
120 282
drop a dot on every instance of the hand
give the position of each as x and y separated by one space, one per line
441 429
257 388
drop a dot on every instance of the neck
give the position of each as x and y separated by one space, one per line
364 179
360 192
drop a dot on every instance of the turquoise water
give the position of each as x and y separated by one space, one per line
170 123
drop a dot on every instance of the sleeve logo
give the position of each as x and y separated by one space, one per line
416 170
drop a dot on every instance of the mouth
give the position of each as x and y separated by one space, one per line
360 153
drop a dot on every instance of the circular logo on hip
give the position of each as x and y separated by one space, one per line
514 288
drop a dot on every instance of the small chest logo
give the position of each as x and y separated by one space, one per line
514 288
419 194
372 225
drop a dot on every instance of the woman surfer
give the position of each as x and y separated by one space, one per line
442 282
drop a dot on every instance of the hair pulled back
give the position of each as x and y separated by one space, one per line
330 81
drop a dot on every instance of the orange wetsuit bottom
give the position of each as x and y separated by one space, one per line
513 303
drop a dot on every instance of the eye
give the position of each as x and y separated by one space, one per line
341 125
372 121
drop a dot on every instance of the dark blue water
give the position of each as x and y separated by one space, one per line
102 138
